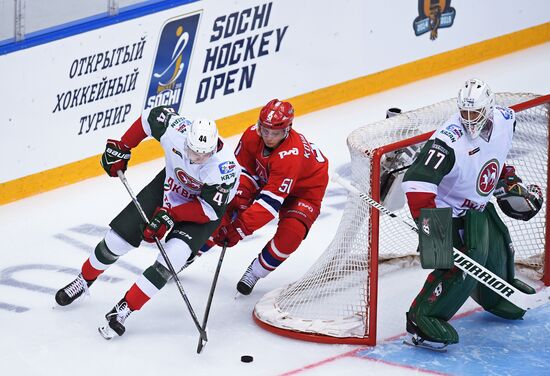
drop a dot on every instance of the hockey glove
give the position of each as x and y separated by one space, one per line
519 201
240 202
161 223
508 176
115 158
231 233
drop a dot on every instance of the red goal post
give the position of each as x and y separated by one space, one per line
336 299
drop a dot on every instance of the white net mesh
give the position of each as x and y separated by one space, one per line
332 298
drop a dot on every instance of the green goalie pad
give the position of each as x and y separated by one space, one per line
436 238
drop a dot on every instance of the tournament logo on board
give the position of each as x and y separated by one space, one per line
172 61
432 16
488 177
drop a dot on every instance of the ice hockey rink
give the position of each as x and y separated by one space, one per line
47 237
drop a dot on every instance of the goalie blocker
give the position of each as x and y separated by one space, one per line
435 238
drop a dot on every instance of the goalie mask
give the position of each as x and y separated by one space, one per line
475 102
519 201
202 140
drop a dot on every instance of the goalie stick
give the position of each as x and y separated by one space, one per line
201 330
464 262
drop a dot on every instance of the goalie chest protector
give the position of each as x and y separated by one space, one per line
478 163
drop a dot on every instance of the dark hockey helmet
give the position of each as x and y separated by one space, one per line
276 115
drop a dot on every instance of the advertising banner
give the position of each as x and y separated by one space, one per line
62 100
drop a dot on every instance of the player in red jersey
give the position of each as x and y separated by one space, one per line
283 175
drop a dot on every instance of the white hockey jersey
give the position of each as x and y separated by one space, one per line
461 172
214 183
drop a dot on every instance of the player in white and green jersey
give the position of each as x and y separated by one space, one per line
460 167
187 200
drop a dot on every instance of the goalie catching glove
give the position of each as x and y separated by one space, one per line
519 201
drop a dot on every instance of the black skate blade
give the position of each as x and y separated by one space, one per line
420 343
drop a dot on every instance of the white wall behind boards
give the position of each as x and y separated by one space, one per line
60 101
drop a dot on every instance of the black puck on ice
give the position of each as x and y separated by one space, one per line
246 358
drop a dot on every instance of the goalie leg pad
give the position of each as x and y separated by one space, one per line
500 260
446 290
436 238
431 329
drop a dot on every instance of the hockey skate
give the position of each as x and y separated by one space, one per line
247 281
189 261
115 320
73 291
415 340
418 339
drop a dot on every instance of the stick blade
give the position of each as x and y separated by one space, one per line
200 346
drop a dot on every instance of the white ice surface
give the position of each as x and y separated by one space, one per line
46 233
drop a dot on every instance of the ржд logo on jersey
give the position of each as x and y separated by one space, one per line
488 177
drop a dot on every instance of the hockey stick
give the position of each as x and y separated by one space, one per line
464 262
201 344
164 256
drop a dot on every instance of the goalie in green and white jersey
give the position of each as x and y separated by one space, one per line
461 167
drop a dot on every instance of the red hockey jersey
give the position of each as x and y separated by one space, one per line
296 168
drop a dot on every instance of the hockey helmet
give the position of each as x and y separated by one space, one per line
475 102
202 139
276 115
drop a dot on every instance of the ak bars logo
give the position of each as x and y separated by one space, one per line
433 15
172 60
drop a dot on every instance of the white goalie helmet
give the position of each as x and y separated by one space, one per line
202 140
475 102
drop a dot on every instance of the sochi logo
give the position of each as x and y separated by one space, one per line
187 180
487 178
172 61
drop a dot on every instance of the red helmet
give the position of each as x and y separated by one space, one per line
276 115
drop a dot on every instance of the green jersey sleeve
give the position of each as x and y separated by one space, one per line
217 196
435 160
158 120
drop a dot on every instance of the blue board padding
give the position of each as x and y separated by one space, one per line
88 24
488 346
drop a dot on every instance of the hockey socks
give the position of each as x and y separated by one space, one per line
148 285
105 254
289 236
136 298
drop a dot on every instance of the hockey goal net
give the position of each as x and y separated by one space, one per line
336 300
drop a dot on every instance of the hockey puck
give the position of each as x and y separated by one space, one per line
246 358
